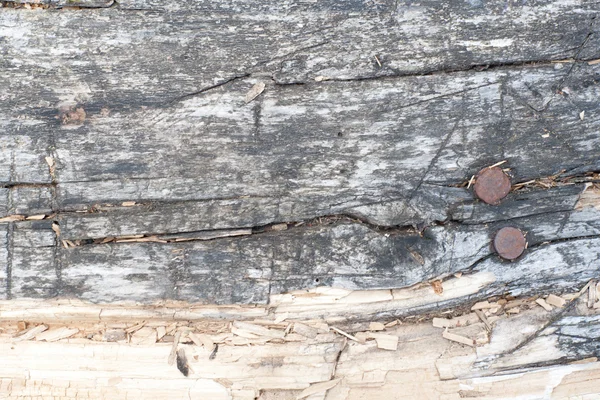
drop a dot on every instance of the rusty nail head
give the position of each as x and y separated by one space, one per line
509 243
492 185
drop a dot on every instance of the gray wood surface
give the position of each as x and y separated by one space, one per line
129 118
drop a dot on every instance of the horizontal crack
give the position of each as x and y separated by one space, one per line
206 235
69 5
206 89
8 185
444 71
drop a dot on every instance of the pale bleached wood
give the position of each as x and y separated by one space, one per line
540 362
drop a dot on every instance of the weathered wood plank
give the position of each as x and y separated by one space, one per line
144 189
345 255
384 167
116 49
342 254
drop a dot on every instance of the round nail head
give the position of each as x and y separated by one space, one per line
492 185
510 243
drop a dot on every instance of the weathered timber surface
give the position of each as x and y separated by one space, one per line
534 353
124 127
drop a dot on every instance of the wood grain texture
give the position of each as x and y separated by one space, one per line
534 353
290 181
126 131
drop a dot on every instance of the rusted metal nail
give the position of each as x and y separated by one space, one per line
492 185
510 243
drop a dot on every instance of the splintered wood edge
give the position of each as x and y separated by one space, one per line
213 353
330 304
25 318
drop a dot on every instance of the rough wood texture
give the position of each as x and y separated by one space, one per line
534 353
257 200
136 167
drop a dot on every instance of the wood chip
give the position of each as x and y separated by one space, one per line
378 62
386 342
497 164
244 333
543 303
144 336
173 353
581 115
393 323
471 181
458 338
128 203
200 339
53 335
305 330
161 331
556 301
13 218
171 328
482 305
341 332
49 161
363 336
259 330
514 310
594 62
31 333
255 91
136 327
316 388
279 227
437 287
35 217
376 326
